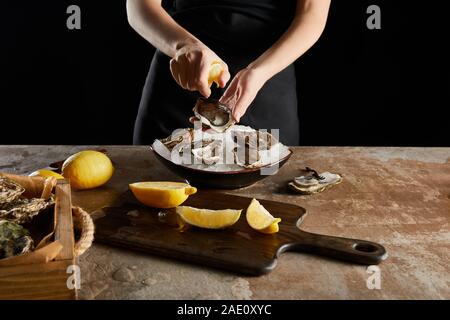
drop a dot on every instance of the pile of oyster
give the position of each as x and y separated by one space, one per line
216 143
16 210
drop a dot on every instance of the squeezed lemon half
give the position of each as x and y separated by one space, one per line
260 219
162 194
208 219
214 73
46 173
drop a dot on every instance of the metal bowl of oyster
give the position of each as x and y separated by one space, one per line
217 153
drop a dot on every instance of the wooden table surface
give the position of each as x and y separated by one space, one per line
398 197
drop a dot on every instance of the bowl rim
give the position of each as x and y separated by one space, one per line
248 170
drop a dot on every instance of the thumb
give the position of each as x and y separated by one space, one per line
229 93
236 113
224 77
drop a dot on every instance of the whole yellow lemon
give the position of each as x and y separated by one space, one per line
88 169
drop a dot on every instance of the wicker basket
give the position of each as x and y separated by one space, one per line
42 273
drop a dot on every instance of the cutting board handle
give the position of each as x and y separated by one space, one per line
352 250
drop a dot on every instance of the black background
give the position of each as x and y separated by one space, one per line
356 86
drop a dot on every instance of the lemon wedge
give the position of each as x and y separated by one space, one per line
208 219
46 173
162 194
260 219
214 73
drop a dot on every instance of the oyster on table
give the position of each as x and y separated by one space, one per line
313 182
213 114
14 239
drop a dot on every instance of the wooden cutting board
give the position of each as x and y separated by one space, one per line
238 248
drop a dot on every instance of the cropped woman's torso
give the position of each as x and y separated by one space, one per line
236 25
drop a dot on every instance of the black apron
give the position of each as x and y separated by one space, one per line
238 31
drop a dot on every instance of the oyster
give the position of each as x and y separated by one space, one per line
22 210
256 139
250 144
9 190
247 157
213 114
209 152
314 182
14 239
177 137
237 148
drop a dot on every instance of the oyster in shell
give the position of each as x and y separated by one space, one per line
22 210
237 148
213 114
247 157
314 183
250 144
256 139
9 190
14 239
209 152
184 135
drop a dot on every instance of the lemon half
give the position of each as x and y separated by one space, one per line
260 219
214 73
162 194
209 219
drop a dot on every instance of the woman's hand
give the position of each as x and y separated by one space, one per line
242 91
190 68
304 31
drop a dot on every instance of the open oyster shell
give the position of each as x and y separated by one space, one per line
22 210
247 157
314 183
250 144
184 135
14 239
238 147
213 114
9 190
256 139
209 151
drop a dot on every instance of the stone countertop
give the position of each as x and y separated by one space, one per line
399 197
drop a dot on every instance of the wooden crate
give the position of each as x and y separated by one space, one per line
46 280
